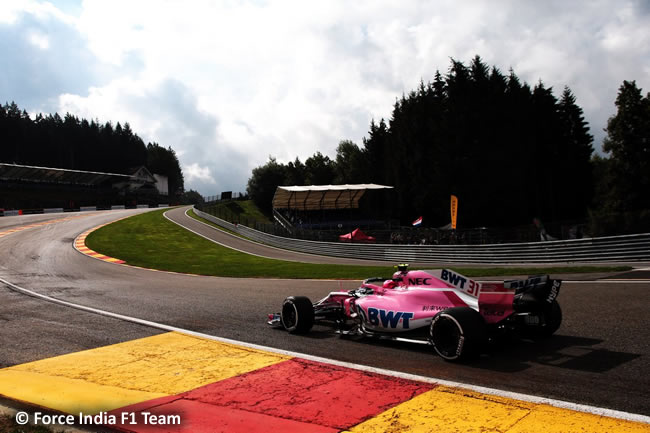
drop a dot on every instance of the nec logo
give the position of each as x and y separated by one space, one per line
388 319
420 281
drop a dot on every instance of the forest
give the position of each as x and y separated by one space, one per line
509 151
79 144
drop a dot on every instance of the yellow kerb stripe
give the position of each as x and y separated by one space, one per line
455 410
114 376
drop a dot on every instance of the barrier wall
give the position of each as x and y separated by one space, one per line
606 249
60 209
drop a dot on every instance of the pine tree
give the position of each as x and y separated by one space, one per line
628 142
574 159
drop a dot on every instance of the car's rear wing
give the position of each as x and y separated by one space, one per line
540 289
530 282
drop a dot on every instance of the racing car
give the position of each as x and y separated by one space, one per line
454 314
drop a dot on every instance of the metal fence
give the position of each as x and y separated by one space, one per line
225 196
605 249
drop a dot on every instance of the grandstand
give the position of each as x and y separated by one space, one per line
30 187
327 207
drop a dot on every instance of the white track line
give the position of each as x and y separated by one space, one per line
484 390
606 281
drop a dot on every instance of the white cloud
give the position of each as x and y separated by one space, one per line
227 84
39 40
194 172
10 11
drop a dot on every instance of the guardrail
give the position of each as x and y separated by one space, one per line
17 212
605 249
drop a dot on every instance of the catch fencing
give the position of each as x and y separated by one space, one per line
605 249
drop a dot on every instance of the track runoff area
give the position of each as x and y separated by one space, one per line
185 381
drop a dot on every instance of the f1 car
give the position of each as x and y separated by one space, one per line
454 314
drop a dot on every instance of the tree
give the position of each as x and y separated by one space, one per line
319 170
576 168
164 162
348 165
509 152
376 151
192 197
263 183
622 191
295 173
628 142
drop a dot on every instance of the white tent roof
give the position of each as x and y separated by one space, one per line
316 197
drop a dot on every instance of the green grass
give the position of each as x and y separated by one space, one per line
239 210
192 214
151 241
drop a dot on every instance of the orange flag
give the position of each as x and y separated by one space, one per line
454 211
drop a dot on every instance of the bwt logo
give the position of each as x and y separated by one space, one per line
457 281
454 279
388 319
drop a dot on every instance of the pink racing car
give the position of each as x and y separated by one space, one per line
453 313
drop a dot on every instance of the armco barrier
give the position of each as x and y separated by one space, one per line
60 209
53 210
606 249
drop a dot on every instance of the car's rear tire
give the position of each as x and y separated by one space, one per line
457 333
551 321
297 314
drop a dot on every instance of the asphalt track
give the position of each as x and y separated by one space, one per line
599 357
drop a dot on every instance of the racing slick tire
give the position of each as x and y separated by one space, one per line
297 314
457 333
552 319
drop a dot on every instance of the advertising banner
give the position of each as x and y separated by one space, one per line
454 211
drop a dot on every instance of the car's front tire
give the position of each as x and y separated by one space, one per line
297 314
457 333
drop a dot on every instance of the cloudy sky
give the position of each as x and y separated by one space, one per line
228 83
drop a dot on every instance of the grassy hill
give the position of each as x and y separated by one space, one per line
238 211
